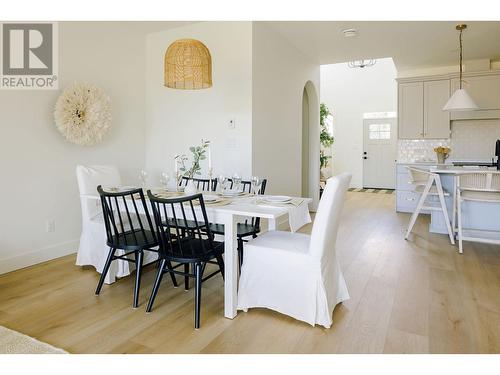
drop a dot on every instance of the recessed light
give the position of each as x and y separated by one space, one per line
349 33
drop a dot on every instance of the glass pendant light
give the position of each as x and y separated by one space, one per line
460 100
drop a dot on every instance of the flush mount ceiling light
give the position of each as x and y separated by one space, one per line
349 33
361 63
460 100
188 65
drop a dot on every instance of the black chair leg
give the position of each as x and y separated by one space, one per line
186 278
240 253
197 296
138 272
220 262
111 254
156 285
172 276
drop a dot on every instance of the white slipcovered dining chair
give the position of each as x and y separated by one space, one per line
298 274
93 250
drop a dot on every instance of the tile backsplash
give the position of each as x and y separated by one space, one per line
412 150
470 140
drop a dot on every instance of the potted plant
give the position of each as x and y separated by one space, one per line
195 169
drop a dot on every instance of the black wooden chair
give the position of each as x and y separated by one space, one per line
247 228
195 247
127 229
202 184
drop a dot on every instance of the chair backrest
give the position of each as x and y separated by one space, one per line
126 216
418 176
89 177
326 222
188 234
247 185
202 184
488 181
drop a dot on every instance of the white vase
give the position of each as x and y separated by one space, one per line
190 188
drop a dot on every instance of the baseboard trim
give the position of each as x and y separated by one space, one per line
38 256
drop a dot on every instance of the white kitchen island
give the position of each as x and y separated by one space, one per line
475 215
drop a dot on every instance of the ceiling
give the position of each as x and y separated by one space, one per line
412 45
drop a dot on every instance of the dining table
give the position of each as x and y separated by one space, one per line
229 211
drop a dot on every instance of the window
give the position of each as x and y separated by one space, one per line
372 115
379 131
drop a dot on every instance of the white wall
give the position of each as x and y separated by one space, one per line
349 93
178 119
37 165
280 72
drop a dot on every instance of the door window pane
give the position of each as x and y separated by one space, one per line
379 131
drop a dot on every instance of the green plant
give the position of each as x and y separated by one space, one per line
323 159
198 155
325 138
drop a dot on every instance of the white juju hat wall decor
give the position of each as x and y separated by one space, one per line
83 114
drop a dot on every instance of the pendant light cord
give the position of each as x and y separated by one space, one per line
460 39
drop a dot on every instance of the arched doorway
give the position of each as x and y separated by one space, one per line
310 144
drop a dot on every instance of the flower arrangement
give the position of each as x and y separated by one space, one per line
198 155
442 153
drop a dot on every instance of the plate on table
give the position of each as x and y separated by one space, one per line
277 199
232 193
119 189
208 198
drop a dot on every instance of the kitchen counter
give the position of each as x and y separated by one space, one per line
453 169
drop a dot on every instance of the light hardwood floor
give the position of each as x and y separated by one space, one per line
416 296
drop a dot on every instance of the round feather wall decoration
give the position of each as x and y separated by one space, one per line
82 114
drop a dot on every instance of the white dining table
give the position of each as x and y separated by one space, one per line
230 214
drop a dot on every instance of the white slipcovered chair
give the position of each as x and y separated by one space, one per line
93 250
298 274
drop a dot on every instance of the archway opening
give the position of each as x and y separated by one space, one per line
310 144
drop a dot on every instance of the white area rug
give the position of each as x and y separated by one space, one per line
12 342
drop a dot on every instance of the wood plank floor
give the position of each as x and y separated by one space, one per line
416 296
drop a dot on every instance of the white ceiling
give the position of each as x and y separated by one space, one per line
412 45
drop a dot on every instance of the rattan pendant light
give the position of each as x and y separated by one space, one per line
188 65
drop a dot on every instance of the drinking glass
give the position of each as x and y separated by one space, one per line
256 184
221 183
236 182
144 178
164 179
178 180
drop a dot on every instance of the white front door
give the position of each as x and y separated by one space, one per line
379 153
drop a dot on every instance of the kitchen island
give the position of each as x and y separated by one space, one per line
475 215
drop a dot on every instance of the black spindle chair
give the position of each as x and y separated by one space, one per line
247 228
202 184
188 245
127 229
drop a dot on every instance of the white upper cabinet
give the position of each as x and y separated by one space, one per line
410 110
436 121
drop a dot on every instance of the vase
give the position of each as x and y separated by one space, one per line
440 157
190 188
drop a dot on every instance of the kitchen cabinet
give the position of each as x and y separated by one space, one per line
420 109
436 121
410 110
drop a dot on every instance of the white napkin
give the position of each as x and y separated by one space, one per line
298 211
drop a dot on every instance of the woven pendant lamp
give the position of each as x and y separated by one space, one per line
188 65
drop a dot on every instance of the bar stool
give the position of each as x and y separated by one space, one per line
428 184
480 186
